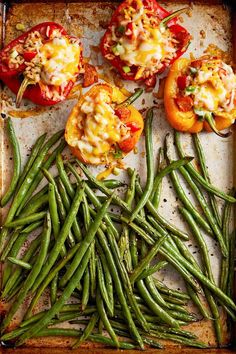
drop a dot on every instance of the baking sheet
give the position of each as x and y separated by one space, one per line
88 21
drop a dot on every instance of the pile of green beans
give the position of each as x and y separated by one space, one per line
100 270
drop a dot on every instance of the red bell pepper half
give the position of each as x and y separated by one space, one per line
23 53
132 24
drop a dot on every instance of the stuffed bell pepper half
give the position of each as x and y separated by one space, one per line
143 39
200 95
42 64
103 126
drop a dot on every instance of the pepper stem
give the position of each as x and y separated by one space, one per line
210 120
25 83
173 15
137 93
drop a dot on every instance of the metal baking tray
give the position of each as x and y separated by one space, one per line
214 23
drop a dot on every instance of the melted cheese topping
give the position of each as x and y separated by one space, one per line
149 44
60 60
215 84
101 128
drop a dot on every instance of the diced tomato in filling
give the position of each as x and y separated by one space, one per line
182 82
185 103
133 127
127 145
28 56
123 113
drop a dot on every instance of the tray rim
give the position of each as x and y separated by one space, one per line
5 5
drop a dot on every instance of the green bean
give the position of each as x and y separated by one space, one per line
46 165
202 161
67 332
108 279
149 283
31 177
102 339
231 264
151 270
205 281
13 237
92 261
102 287
179 339
53 211
124 238
147 259
157 193
66 202
63 176
45 320
93 198
169 299
85 290
169 254
155 308
87 331
200 197
17 203
53 273
26 220
197 302
42 192
40 203
104 318
117 283
126 281
30 228
170 292
27 285
53 290
85 243
33 155
61 237
188 204
20 263
15 276
159 328
194 173
17 163
13 253
121 203
146 296
225 261
13 334
200 240
60 204
164 223
149 161
174 165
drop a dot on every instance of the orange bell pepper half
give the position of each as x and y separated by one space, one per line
180 109
98 143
